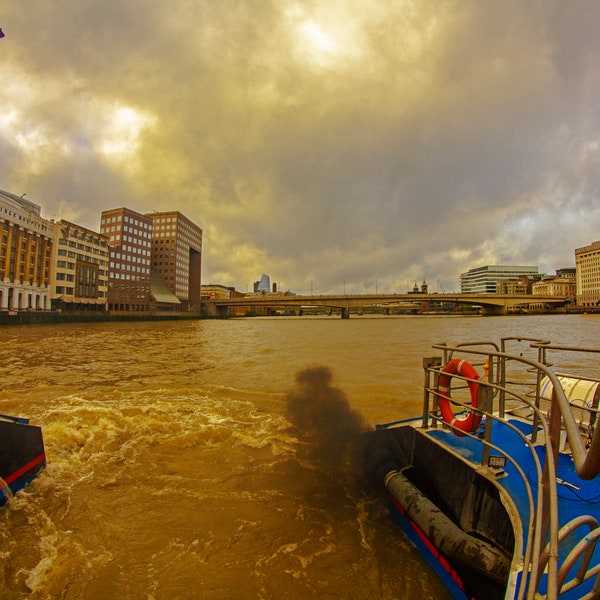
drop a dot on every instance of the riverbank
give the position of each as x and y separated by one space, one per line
54 317
8 318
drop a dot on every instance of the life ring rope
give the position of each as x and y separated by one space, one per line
471 422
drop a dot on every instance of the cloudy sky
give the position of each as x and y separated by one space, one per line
355 145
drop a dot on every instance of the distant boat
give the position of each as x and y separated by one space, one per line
500 493
22 455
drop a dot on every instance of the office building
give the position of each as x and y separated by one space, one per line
79 279
488 279
129 236
25 254
587 275
176 261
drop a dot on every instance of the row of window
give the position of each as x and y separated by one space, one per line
81 292
81 257
86 237
130 277
127 229
88 249
135 250
127 219
123 286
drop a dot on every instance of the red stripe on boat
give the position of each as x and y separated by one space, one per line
434 551
25 468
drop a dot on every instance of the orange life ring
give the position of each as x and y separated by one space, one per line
461 367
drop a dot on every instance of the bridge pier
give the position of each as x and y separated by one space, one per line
345 312
492 311
221 311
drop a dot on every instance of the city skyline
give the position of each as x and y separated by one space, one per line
329 144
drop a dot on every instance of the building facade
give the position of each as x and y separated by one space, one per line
587 275
562 284
215 291
129 236
520 285
177 257
488 279
79 279
25 254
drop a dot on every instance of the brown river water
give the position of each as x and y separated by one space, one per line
176 470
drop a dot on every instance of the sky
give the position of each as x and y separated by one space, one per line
353 146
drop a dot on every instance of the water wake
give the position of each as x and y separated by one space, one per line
5 490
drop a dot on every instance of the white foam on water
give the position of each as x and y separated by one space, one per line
5 490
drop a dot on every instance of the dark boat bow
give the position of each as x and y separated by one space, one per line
22 455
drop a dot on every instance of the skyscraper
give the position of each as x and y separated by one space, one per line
264 285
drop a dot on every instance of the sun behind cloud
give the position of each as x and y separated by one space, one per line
120 138
324 38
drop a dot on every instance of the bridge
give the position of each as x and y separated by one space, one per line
491 304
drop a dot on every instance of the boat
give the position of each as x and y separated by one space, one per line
22 455
495 481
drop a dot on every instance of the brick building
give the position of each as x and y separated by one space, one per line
129 236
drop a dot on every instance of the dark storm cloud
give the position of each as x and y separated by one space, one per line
325 143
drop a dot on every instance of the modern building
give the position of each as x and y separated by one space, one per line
79 279
177 259
263 285
129 236
587 269
487 279
25 253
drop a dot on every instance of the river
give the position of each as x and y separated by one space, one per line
176 469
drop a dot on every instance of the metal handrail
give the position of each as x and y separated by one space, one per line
535 531
586 462
584 548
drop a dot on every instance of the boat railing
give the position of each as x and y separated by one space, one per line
495 393
532 546
583 550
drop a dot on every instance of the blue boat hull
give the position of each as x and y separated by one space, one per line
447 511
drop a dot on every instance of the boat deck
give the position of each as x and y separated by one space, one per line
575 496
